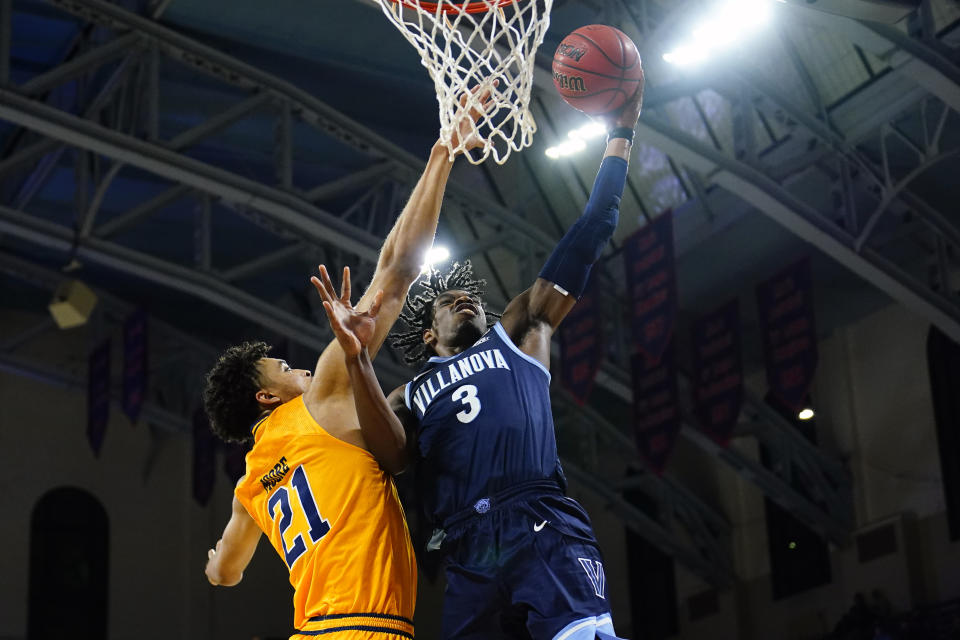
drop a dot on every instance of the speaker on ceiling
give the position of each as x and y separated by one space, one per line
72 304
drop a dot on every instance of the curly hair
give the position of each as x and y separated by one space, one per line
229 393
417 312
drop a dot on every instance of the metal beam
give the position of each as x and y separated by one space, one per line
27 155
287 209
34 182
350 182
89 61
11 343
313 111
770 198
217 122
134 215
908 56
264 262
199 285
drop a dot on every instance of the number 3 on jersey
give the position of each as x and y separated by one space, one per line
318 526
467 394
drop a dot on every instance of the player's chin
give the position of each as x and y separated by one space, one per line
472 326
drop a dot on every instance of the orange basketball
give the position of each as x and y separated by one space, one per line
597 69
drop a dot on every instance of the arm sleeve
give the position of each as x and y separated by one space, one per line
569 265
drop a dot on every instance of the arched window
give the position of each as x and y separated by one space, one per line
69 541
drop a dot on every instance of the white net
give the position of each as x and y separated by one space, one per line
489 44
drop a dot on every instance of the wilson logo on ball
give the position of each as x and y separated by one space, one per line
570 51
569 83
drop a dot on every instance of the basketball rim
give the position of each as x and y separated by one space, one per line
452 6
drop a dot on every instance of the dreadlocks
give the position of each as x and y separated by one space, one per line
417 313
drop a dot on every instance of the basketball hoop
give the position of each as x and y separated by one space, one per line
485 43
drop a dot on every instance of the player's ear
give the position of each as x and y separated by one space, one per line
429 338
266 399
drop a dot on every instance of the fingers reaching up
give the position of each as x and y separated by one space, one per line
354 329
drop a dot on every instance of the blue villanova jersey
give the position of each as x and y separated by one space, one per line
485 424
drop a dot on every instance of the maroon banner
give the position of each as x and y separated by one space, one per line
581 346
98 395
204 458
785 306
651 285
235 460
134 364
718 372
656 407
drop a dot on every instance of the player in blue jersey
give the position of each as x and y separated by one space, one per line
521 557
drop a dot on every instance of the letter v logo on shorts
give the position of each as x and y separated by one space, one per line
594 569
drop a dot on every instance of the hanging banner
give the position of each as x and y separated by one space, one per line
581 346
98 395
235 460
656 407
204 458
785 306
718 372
134 364
651 285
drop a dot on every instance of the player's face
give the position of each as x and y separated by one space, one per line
458 318
280 382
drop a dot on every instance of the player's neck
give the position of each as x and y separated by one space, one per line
446 351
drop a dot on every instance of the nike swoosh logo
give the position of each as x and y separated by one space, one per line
538 527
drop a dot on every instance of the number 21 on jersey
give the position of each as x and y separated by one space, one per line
279 505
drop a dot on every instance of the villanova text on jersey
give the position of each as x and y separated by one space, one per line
454 372
485 424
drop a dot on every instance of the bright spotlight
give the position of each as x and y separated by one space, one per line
729 23
806 414
566 148
588 131
435 255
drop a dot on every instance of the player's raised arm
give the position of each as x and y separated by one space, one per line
401 256
227 561
564 276
383 434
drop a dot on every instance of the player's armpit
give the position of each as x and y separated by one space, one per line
531 318
233 552
541 304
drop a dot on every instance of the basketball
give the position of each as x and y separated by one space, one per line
597 69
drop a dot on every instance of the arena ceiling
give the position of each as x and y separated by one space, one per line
198 159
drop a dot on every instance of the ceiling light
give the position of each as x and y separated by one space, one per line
729 23
806 414
435 255
567 147
588 131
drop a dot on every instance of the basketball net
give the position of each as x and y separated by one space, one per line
468 44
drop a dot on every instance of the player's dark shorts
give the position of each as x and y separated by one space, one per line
524 563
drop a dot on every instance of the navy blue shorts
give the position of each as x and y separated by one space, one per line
527 568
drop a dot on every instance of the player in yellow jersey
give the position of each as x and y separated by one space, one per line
328 507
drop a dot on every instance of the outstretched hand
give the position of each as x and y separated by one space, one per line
629 114
467 120
354 329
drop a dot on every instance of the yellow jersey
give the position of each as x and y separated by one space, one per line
335 518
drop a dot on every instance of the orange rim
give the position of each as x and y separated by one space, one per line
449 6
